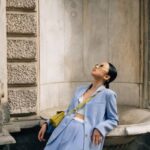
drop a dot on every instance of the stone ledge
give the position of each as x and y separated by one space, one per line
11 127
22 73
21 23
22 100
22 4
6 138
16 126
21 49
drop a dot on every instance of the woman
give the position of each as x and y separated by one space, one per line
86 129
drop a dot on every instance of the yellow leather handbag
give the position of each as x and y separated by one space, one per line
57 118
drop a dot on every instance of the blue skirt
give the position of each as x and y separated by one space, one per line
71 138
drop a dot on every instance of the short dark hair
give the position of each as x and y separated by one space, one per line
112 73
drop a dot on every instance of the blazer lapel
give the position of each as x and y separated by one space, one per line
85 88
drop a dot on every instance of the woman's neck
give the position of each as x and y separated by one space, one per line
96 84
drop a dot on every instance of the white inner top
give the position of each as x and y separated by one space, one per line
81 110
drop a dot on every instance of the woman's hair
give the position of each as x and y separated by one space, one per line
112 73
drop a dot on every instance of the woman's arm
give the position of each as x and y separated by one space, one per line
112 119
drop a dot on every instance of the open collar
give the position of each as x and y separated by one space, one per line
100 88
85 88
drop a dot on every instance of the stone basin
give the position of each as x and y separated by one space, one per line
133 121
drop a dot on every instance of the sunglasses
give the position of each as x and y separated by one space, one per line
98 66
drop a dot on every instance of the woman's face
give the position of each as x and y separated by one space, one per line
100 71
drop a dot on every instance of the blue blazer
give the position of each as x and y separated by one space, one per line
101 113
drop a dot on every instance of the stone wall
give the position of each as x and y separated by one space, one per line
77 34
3 62
22 55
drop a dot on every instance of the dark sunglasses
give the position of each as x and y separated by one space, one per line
98 65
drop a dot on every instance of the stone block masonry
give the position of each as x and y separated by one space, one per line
21 49
22 73
22 100
22 56
22 4
21 23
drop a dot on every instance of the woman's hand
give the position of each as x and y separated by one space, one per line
42 132
96 136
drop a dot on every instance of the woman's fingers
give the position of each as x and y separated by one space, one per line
42 132
41 135
93 138
96 138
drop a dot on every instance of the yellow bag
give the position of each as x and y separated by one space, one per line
56 119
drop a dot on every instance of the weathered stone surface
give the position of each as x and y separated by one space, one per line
22 73
21 23
3 52
23 4
21 49
22 100
6 138
1 120
5 112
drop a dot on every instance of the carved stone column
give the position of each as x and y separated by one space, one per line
144 48
3 66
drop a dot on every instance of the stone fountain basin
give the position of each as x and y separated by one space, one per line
133 121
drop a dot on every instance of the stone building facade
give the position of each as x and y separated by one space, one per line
49 46
20 62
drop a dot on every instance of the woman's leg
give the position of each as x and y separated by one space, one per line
71 138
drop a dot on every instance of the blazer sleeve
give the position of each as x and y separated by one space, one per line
112 119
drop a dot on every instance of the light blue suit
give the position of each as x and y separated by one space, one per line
101 113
